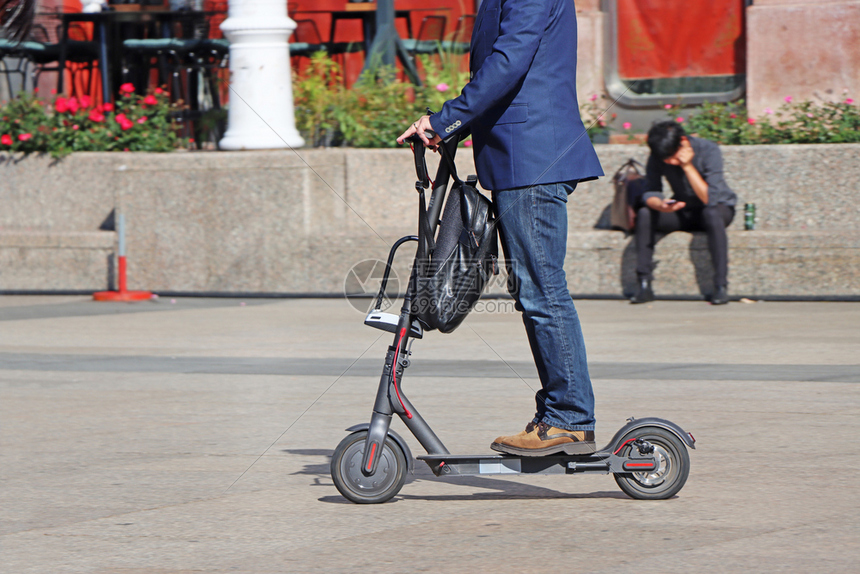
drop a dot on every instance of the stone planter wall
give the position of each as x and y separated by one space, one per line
295 222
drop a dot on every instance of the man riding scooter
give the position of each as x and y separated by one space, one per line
531 150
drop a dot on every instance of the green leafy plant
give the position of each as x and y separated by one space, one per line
443 79
135 123
318 99
793 122
595 118
376 109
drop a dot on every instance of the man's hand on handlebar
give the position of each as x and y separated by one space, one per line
424 131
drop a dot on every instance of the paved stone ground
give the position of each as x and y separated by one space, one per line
195 435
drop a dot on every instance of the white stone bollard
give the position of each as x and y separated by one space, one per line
261 92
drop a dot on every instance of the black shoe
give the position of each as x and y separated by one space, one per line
644 294
720 296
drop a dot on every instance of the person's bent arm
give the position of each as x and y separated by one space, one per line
520 31
697 182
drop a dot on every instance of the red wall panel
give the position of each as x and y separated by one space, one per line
680 38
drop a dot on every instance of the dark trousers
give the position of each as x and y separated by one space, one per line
712 219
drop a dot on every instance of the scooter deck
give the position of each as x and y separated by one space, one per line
602 461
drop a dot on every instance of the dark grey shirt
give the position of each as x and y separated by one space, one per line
708 161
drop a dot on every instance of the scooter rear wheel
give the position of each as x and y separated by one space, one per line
673 466
358 487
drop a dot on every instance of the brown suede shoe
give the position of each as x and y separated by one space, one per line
542 439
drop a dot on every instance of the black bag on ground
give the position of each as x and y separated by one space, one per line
453 269
622 215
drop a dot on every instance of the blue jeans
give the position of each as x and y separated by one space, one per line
533 233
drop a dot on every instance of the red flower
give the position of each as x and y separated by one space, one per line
73 104
150 100
61 105
108 107
6 139
24 137
127 88
96 116
124 122
85 101
750 121
141 120
159 91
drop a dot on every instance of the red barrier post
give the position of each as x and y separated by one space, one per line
123 294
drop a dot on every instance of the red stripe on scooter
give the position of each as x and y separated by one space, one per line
623 445
394 372
638 464
370 460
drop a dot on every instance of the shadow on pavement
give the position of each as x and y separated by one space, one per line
501 489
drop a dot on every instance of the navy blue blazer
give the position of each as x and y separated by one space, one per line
520 105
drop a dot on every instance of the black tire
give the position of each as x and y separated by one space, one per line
669 478
358 487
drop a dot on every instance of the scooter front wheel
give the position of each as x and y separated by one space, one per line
361 488
673 466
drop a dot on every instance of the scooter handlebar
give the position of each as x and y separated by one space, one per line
416 139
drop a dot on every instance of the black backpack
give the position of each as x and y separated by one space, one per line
453 268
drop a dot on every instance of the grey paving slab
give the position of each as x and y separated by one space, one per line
198 440
85 306
458 368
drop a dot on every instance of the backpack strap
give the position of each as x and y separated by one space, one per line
449 159
630 163
426 243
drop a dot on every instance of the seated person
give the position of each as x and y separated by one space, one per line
701 202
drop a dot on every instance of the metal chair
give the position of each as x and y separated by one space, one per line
461 39
306 40
36 54
191 66
429 37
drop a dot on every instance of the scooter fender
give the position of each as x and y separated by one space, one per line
410 461
633 424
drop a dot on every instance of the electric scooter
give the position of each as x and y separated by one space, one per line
647 457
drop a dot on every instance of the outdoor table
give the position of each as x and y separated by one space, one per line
366 12
107 24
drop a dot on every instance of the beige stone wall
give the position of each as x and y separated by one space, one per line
590 27
804 49
296 222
